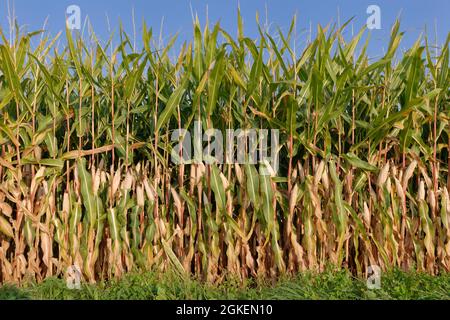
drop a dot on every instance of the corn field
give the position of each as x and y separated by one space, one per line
86 177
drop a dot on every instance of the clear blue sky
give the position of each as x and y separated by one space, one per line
415 15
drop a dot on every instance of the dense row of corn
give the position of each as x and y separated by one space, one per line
86 177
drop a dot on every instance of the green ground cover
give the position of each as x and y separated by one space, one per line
328 285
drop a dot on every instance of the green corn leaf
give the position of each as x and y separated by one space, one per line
252 178
113 224
217 187
86 191
267 196
12 75
52 144
173 258
358 163
171 105
214 82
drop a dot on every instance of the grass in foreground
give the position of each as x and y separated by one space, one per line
327 285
